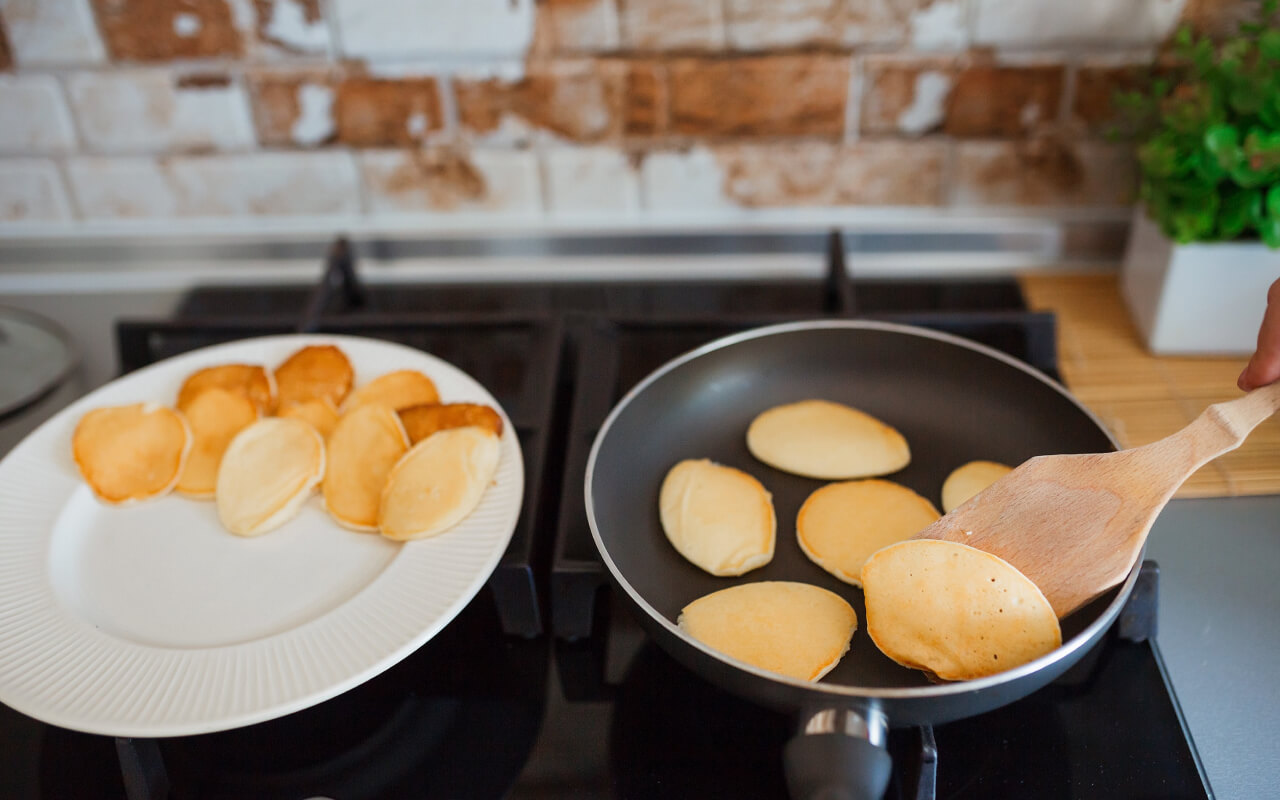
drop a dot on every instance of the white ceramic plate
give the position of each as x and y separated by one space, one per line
153 620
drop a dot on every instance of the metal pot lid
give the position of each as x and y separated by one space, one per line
36 355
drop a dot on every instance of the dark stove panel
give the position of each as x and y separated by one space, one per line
596 710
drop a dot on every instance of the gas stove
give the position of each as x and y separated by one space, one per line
544 686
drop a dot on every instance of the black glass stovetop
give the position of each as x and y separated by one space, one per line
544 687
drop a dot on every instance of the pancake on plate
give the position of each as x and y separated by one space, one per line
364 446
267 472
842 524
314 371
967 480
131 453
830 441
794 629
251 380
319 412
438 483
719 518
421 421
955 611
215 415
396 390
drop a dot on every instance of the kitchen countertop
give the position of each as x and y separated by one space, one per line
1219 601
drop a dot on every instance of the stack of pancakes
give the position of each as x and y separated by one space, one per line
386 456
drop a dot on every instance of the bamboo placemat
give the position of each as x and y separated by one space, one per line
1140 397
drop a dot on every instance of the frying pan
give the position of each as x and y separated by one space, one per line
953 400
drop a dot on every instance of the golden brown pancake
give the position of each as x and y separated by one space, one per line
719 518
215 415
438 483
423 420
830 441
955 611
251 380
267 472
396 390
319 412
364 446
841 524
969 479
794 629
131 453
314 371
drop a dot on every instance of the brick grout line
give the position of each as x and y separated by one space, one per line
853 100
68 189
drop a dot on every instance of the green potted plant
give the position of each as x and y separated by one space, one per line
1205 242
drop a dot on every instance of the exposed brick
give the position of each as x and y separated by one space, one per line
580 101
671 24
1044 171
645 99
575 26
905 95
285 111
440 179
775 96
371 112
1096 88
294 26
161 30
989 100
766 24
822 174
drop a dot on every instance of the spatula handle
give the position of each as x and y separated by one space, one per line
1223 426
1245 413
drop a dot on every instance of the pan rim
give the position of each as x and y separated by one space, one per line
1084 638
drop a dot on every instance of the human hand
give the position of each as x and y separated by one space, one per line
1264 366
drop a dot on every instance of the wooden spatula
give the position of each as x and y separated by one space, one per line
1075 524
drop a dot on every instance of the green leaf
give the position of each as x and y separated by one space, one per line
1273 202
1223 142
1269 232
1237 213
1269 43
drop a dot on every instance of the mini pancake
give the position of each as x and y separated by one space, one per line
830 441
216 415
955 611
719 518
396 390
840 525
319 412
267 472
438 483
251 380
423 420
361 451
131 453
315 371
969 479
794 629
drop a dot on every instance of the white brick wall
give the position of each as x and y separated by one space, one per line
51 32
143 111
35 118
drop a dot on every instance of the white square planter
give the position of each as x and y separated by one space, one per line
1201 299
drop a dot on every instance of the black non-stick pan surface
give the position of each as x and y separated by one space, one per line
953 400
